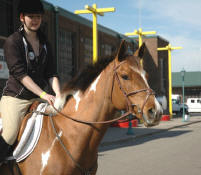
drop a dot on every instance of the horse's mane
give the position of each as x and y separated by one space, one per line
86 76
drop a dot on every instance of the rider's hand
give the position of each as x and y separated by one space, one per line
49 98
58 95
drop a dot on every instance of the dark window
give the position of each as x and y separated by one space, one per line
65 62
163 75
88 51
6 15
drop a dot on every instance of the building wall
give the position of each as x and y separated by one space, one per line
163 66
156 64
150 63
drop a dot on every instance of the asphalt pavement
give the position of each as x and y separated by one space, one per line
116 135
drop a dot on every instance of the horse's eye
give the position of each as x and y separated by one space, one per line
125 77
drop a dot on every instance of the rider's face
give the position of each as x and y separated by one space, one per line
31 21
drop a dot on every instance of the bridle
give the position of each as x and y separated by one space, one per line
130 106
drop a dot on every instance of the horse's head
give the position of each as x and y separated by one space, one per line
130 90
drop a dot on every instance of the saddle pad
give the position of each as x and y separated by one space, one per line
30 135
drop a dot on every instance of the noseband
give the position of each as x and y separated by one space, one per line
129 104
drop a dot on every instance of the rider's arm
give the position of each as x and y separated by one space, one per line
54 82
33 87
51 71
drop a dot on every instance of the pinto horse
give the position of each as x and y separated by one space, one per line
69 140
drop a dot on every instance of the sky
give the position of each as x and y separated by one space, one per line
176 21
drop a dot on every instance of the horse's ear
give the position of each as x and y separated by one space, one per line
122 52
140 52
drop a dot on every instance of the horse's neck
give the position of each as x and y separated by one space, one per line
92 105
95 103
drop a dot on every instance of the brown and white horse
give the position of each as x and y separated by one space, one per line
70 147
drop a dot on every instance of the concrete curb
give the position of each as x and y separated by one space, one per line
133 137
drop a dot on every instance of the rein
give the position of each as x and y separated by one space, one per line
91 122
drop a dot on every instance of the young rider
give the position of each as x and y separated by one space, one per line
31 65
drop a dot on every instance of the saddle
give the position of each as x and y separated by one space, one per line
32 108
29 132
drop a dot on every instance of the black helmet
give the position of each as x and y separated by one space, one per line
30 6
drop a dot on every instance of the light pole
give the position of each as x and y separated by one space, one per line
183 76
130 129
95 11
140 34
169 48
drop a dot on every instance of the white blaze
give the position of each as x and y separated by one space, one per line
45 156
158 106
143 73
144 78
94 84
77 98
77 95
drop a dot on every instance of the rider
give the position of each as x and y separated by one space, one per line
31 65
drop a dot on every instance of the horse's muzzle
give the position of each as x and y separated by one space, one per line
153 116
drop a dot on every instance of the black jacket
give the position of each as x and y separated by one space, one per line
21 61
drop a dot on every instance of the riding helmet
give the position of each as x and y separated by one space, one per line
30 6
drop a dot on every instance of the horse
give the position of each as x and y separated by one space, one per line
70 138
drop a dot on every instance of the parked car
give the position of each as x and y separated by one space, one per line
194 104
177 106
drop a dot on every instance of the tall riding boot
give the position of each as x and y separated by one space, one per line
4 149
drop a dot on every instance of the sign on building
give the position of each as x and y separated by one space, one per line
3 66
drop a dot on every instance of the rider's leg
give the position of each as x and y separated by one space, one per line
12 112
4 149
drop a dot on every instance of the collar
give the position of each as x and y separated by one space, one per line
40 34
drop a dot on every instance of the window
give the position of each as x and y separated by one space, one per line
6 14
163 75
65 61
108 49
88 51
175 101
192 101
